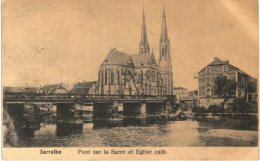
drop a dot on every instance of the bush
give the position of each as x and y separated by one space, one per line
216 109
199 109
175 107
240 106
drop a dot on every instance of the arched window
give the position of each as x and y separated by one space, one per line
99 76
118 77
105 76
162 51
141 76
112 76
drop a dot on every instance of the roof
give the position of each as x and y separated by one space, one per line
80 90
85 84
218 61
82 87
52 88
144 60
179 88
30 90
116 57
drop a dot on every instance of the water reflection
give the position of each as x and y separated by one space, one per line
142 132
63 129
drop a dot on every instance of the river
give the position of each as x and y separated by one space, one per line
140 133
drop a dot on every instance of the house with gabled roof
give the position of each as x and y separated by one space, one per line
84 88
180 93
220 80
54 89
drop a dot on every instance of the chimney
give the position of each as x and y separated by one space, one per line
216 59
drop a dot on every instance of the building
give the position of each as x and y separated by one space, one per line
140 74
54 89
84 88
180 93
220 80
30 90
12 90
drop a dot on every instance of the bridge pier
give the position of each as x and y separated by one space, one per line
135 110
24 118
117 110
84 111
101 111
143 113
65 112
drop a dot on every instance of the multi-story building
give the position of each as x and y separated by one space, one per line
220 80
180 93
125 74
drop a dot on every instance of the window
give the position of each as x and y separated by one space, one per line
225 79
102 77
162 52
112 76
202 80
225 68
208 91
142 76
207 70
105 76
208 80
118 77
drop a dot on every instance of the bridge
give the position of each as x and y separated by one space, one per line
88 106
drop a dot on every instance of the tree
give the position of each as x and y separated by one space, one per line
239 105
216 109
224 87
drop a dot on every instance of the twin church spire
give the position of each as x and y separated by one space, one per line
164 34
144 44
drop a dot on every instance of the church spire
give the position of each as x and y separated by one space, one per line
164 34
144 45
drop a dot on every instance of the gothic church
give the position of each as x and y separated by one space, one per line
124 74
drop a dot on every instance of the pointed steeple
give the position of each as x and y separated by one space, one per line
165 64
144 45
164 34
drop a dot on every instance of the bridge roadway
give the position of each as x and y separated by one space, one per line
61 98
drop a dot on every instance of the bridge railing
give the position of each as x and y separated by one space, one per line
44 97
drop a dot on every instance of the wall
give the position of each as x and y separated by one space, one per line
211 76
207 102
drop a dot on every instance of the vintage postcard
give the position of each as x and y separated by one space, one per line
130 80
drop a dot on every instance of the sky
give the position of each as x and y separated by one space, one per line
54 41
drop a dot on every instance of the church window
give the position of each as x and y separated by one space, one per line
162 52
105 76
112 76
122 71
99 73
118 77
108 76
141 76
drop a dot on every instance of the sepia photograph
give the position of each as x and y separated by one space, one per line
127 74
